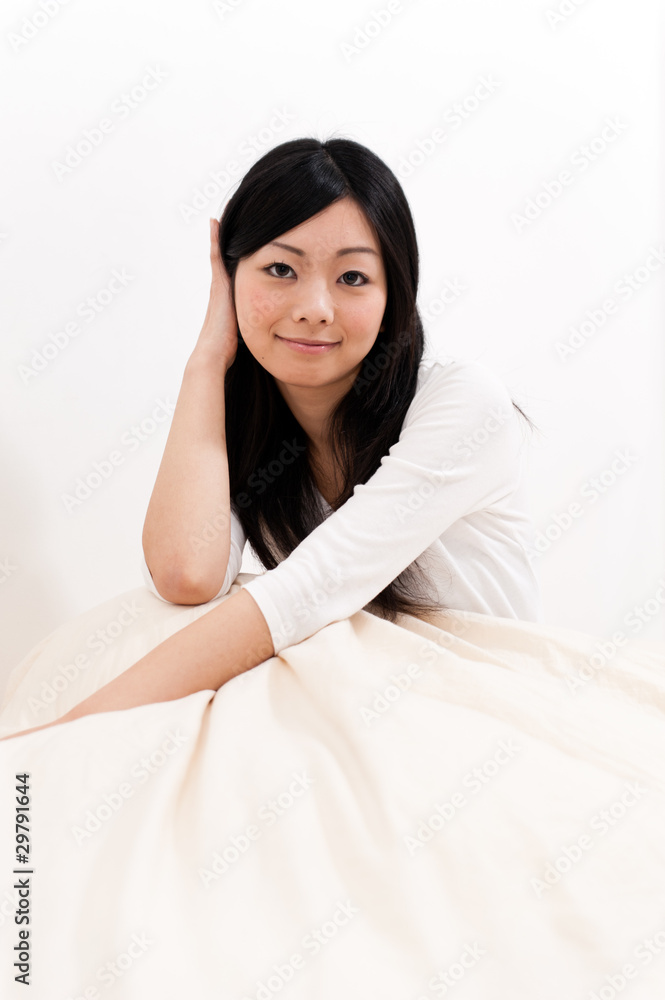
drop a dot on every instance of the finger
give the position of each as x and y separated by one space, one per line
215 255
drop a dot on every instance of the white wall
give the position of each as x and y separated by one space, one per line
220 72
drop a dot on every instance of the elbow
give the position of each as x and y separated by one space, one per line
179 587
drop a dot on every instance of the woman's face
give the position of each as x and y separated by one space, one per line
326 283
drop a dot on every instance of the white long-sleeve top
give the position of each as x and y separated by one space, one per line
450 493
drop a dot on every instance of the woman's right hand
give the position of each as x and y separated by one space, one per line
219 334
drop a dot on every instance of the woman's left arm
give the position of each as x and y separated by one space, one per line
204 655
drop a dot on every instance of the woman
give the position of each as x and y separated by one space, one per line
362 477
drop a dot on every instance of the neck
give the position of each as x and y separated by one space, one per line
312 407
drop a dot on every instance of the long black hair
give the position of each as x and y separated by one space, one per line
276 499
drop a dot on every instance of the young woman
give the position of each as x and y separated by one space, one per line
308 424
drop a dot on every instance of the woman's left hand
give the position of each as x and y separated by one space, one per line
34 729
223 642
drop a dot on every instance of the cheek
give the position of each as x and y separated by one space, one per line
363 319
259 308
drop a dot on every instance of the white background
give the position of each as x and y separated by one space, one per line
227 69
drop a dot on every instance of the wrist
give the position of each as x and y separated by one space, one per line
207 359
216 339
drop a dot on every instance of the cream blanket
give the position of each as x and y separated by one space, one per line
405 811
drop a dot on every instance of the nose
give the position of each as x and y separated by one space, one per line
313 303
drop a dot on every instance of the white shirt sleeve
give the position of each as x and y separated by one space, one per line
459 451
238 539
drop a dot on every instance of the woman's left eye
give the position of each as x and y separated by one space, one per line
364 281
288 268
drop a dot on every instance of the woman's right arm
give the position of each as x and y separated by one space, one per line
192 484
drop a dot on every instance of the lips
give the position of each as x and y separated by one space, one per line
309 346
310 343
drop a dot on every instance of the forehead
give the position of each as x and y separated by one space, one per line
338 230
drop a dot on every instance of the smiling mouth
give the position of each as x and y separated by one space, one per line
311 347
309 343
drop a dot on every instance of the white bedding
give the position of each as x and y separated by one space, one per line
386 811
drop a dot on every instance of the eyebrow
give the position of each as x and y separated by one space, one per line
340 253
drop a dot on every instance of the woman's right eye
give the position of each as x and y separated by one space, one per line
276 264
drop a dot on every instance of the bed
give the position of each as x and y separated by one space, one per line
396 811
